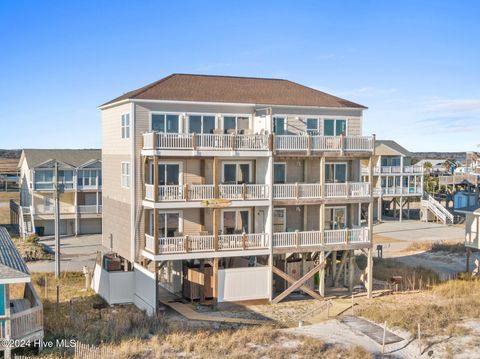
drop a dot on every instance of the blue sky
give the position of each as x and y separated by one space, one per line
415 64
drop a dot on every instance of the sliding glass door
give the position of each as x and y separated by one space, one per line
165 123
201 124
236 221
335 218
335 172
333 127
237 173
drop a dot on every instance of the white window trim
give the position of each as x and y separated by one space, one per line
122 127
284 210
285 117
236 115
214 115
181 116
180 218
237 163
180 169
129 175
285 173
346 118
306 118
237 213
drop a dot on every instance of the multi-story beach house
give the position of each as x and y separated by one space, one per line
78 174
232 188
396 182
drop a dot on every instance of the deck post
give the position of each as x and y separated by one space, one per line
369 272
215 282
400 217
334 267
351 265
321 275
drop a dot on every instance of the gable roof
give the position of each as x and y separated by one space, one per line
12 266
233 89
74 158
394 146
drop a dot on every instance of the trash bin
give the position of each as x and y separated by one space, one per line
40 231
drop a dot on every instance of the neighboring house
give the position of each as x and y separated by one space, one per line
230 188
21 311
80 187
396 181
9 189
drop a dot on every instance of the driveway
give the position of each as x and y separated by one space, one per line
75 253
398 240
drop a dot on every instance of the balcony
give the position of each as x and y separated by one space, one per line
310 144
299 239
394 170
26 317
204 142
89 209
206 243
314 190
193 192
398 191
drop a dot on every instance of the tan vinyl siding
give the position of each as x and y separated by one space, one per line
192 171
294 170
112 141
191 221
313 218
116 221
313 171
354 126
294 218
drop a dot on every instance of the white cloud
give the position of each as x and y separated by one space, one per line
452 106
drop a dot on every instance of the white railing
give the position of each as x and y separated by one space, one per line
205 243
398 191
25 210
200 192
243 191
335 190
314 238
42 209
89 209
170 193
204 141
149 243
297 190
304 142
150 192
26 322
242 241
394 170
347 190
436 207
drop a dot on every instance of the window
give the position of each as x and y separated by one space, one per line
201 124
44 179
335 218
125 180
279 173
168 174
334 127
279 220
279 126
335 172
126 125
237 173
390 160
87 178
165 123
312 126
236 221
65 178
237 124
168 224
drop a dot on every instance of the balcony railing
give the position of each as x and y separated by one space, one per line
206 192
347 190
297 191
206 243
315 238
394 170
89 209
398 191
213 142
289 143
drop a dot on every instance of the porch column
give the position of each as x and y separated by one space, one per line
155 210
369 272
370 233
351 266
321 282
269 223
75 204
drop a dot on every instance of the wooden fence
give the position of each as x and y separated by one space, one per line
85 351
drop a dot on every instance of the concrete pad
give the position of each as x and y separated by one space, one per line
416 231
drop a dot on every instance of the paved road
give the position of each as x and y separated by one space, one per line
76 252
397 238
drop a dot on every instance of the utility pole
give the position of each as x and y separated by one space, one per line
56 193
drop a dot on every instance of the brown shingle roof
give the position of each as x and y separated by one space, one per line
230 89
